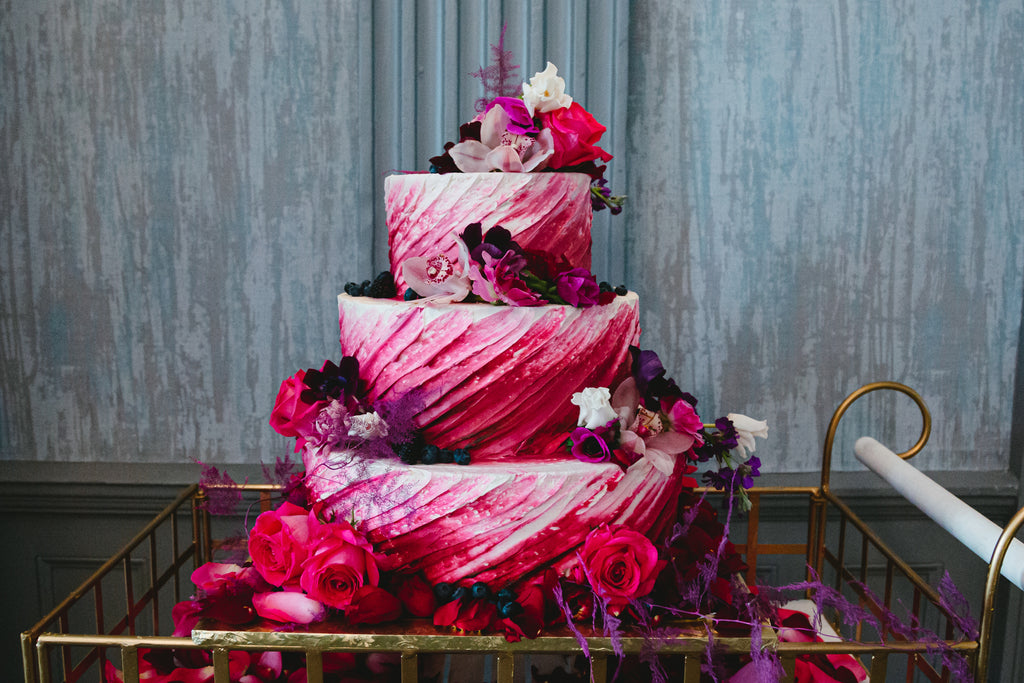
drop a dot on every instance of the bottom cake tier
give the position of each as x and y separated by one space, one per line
496 522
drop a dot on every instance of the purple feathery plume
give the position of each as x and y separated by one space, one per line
953 601
222 493
500 78
564 606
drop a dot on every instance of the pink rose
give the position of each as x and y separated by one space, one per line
293 416
288 607
340 562
278 543
620 565
575 133
215 579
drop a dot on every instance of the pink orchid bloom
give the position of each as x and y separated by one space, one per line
660 447
435 279
499 149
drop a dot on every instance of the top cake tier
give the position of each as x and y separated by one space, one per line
548 212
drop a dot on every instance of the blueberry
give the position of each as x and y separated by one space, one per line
460 456
364 288
408 452
352 289
481 591
621 290
505 595
604 286
430 454
444 455
459 593
443 591
410 295
510 609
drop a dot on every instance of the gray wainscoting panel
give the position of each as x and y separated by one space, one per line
821 194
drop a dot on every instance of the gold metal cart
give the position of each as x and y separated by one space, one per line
838 546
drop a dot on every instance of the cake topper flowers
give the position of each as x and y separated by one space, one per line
540 129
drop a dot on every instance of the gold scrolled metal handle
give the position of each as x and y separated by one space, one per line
995 568
833 425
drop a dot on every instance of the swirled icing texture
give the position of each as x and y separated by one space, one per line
493 522
494 379
548 212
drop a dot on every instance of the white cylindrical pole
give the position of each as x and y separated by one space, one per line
967 525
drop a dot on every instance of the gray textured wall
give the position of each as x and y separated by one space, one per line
821 194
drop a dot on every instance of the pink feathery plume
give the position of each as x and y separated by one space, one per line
222 494
500 78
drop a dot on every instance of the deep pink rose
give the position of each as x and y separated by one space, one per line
278 543
621 565
291 415
578 287
289 607
340 562
575 133
215 579
373 605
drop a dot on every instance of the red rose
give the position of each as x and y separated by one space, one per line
278 543
373 605
575 133
340 562
621 565
467 615
417 596
291 415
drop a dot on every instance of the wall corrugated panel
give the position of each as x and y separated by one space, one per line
821 194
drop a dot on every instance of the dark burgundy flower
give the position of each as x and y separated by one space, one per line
373 605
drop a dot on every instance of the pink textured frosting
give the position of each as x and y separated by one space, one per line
496 380
548 212
495 522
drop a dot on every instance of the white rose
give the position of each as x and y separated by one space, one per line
367 426
746 429
545 91
595 407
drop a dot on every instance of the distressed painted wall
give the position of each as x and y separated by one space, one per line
836 195
822 194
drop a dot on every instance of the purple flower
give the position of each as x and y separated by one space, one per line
519 120
588 446
578 287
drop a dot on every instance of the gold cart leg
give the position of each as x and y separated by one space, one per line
410 667
314 666
506 667
691 668
221 671
598 668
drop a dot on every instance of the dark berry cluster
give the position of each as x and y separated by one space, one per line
381 287
418 451
505 599
621 290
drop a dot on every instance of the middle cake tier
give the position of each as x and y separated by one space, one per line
496 380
